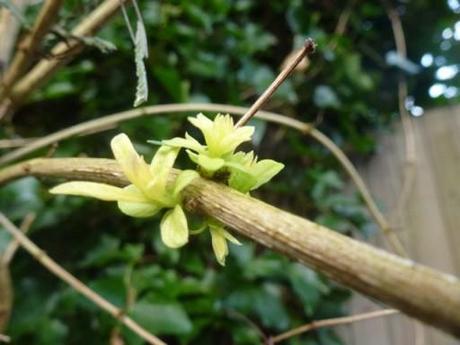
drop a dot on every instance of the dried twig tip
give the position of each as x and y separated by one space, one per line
310 45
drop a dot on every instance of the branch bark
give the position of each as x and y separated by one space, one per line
416 290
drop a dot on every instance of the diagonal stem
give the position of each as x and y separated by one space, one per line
61 273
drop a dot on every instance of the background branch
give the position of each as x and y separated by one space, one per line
76 284
28 46
46 68
418 291
329 323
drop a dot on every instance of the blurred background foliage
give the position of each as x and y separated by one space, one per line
222 52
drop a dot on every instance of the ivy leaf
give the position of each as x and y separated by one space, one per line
162 318
141 53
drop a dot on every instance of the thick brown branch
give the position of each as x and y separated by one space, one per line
418 291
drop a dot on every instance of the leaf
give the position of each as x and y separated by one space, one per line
308 286
174 228
162 318
141 53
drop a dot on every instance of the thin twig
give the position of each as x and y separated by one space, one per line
103 123
76 284
330 323
406 119
342 23
16 142
28 46
128 23
308 48
14 244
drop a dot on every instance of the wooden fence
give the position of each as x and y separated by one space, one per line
429 224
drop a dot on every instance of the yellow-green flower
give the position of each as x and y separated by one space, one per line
219 237
148 192
246 173
221 138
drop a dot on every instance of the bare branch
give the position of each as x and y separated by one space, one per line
76 284
330 323
406 120
308 48
418 291
15 142
28 46
14 244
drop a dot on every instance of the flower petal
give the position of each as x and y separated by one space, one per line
188 142
209 164
160 168
265 170
201 122
138 209
100 191
235 138
133 165
219 244
230 237
184 178
174 228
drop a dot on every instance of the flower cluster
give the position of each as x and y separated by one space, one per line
150 191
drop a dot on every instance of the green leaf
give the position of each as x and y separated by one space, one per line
162 318
174 229
308 286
